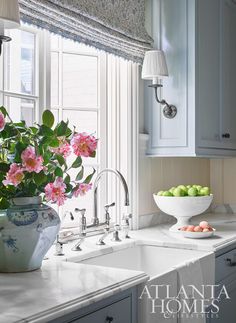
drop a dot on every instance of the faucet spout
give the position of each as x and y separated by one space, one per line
123 182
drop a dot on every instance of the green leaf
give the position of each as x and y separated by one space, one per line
61 129
20 124
2 176
45 131
26 140
68 132
89 178
93 155
80 174
67 179
59 172
45 141
77 163
32 187
4 167
60 160
69 188
34 130
48 118
47 156
54 142
4 111
4 204
40 178
18 151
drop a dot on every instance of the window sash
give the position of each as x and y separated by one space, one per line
42 77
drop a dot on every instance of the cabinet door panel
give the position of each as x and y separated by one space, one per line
173 32
228 78
227 308
208 74
119 312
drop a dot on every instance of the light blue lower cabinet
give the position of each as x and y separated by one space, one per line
226 276
227 307
120 308
116 312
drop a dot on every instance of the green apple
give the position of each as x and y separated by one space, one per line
199 187
172 189
204 191
183 188
192 191
167 193
178 192
160 193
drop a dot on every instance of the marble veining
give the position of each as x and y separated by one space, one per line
58 289
61 286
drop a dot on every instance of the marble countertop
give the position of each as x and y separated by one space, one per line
62 286
59 288
225 225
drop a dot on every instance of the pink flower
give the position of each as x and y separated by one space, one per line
84 144
30 161
82 189
14 176
55 192
64 148
2 122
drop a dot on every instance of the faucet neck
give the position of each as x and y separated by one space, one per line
122 180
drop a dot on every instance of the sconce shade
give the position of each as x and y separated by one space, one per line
154 65
9 14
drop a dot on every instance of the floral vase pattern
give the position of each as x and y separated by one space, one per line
28 229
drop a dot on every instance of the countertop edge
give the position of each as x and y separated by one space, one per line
88 299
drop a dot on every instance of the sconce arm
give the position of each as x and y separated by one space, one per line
169 111
155 87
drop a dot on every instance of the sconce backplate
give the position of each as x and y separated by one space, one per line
169 111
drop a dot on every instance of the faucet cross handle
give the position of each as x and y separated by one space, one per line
108 218
107 207
127 216
82 211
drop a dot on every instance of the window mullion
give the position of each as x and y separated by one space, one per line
44 71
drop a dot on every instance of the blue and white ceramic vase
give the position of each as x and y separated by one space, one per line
27 231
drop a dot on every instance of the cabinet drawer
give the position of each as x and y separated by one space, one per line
225 265
119 312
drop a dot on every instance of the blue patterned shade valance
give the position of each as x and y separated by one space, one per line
116 26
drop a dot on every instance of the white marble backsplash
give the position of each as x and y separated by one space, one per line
150 220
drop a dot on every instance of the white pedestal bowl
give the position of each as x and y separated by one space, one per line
182 208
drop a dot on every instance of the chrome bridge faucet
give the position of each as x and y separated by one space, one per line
123 182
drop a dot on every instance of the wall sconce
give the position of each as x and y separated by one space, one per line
154 66
9 18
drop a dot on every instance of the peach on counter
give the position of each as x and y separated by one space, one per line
203 226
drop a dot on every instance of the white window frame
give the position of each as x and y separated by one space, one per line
42 77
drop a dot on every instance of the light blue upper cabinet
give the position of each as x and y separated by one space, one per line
198 37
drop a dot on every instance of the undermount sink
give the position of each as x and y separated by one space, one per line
153 260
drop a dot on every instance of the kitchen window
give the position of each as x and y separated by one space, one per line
88 87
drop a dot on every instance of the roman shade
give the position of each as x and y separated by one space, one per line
115 26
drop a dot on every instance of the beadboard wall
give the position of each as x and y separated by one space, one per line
157 174
223 180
